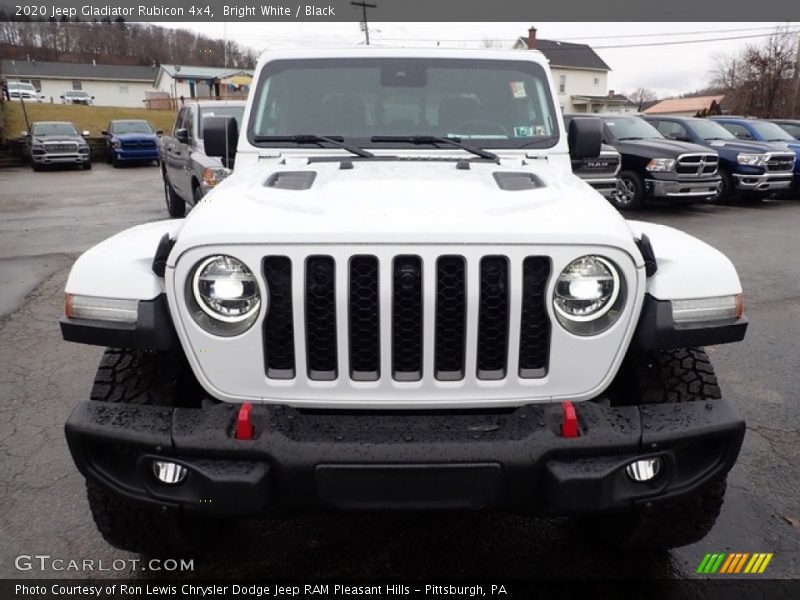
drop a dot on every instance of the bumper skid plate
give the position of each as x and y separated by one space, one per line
299 461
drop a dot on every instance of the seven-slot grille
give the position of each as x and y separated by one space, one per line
697 164
780 163
404 299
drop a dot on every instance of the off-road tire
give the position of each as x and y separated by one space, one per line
176 207
683 375
162 379
630 193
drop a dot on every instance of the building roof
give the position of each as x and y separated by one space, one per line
609 99
192 72
673 105
567 54
37 69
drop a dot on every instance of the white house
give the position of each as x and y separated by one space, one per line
580 75
188 81
111 85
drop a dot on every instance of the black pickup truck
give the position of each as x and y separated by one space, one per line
656 167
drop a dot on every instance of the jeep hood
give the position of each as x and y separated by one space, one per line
404 202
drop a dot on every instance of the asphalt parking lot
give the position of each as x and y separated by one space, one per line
48 219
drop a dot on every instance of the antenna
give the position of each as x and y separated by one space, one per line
364 25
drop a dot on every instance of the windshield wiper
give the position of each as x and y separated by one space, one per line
336 140
433 139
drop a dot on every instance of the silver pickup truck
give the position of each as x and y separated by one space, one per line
187 171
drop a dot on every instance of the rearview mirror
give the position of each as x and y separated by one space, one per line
220 138
584 137
182 136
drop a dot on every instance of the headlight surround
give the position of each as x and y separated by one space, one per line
751 160
589 295
214 175
223 295
661 164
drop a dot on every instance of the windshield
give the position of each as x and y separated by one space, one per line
79 94
770 132
709 130
131 127
494 103
25 87
221 111
631 128
43 129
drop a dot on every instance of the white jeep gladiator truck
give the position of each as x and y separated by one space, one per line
402 298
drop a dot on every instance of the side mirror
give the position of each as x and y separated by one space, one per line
585 137
159 132
23 134
61 96
104 132
182 135
220 138
85 133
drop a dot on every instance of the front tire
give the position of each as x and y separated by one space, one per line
176 207
145 378
87 165
727 191
630 193
683 375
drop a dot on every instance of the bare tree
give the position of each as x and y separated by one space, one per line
641 96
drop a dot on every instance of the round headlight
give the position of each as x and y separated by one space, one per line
587 297
226 290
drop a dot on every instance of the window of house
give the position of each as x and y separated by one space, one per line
597 81
77 85
562 84
123 89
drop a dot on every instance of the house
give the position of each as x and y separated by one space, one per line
111 85
580 76
186 81
698 106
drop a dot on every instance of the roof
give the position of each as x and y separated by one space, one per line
672 105
193 72
567 54
37 69
610 99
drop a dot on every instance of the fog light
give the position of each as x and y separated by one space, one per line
644 470
169 472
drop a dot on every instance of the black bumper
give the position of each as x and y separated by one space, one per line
302 462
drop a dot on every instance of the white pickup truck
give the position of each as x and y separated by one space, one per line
402 298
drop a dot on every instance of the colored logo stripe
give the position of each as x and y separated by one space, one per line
724 563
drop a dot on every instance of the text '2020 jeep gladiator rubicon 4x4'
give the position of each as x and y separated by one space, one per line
402 298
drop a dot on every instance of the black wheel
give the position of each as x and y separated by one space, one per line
114 162
683 375
164 379
87 165
109 155
727 191
197 193
176 207
630 193
36 166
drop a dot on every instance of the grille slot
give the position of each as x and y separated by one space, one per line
493 318
364 319
407 318
534 343
320 312
451 318
278 325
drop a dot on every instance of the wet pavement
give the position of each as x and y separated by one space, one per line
47 219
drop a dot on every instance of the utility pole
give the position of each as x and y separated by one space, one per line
364 6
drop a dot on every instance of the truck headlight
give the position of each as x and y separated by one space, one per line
751 160
588 295
224 295
661 164
213 175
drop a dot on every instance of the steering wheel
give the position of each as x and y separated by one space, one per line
464 127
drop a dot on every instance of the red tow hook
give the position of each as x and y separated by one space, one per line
244 427
569 427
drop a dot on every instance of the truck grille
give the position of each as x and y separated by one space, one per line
697 164
359 292
607 164
62 147
780 163
138 145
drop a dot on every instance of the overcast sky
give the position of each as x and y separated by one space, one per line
668 69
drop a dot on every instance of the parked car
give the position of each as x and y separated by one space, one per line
129 140
187 171
790 126
655 167
764 131
56 143
372 312
76 97
748 168
600 171
24 91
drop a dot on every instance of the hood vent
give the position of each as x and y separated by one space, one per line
291 180
514 182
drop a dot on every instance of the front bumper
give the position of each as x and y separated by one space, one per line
763 182
606 186
683 188
60 159
302 461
